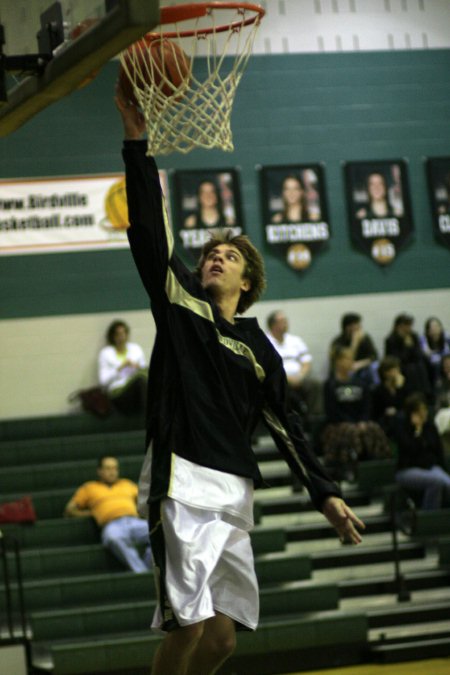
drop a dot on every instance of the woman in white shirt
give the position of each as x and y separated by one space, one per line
122 370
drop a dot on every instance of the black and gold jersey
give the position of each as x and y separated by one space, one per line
210 381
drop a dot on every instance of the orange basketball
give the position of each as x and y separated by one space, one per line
160 61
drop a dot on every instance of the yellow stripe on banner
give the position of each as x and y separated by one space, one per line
273 421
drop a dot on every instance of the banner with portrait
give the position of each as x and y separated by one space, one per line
438 170
206 201
295 214
379 208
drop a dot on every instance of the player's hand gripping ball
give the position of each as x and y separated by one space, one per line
154 61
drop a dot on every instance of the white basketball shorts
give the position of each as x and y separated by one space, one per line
203 565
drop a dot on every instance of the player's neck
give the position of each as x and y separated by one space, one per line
227 307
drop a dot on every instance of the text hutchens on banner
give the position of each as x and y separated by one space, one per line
295 218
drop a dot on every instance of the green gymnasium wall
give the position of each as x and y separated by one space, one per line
289 109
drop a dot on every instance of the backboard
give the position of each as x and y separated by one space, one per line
112 26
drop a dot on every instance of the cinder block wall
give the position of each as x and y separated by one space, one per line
329 106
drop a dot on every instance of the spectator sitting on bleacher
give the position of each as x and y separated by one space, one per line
442 407
349 436
353 337
421 465
122 370
305 393
403 343
435 344
389 395
111 501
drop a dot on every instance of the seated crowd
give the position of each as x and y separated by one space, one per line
370 406
377 408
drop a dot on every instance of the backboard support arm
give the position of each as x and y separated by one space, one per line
126 22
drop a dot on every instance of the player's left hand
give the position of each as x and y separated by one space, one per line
344 521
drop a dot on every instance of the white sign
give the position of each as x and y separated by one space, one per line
64 214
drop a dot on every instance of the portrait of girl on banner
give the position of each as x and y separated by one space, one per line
294 211
439 186
206 201
379 208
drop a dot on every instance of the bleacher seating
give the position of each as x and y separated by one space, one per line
87 614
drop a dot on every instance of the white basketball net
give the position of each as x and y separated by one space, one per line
198 114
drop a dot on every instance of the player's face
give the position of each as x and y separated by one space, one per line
223 270
108 472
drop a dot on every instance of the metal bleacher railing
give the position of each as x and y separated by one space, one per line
13 619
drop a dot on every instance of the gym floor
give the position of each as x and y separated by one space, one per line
431 667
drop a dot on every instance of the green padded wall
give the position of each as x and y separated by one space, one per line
289 109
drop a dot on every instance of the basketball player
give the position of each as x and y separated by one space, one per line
211 377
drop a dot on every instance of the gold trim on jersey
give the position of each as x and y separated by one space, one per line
169 233
180 296
243 350
172 472
273 421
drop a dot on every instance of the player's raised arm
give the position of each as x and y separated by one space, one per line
132 118
149 234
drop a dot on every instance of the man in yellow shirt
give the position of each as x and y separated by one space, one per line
111 501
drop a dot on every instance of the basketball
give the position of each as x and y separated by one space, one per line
160 62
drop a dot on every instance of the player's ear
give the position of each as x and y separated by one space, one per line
246 284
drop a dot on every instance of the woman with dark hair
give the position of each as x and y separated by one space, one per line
209 211
435 344
379 205
421 464
442 404
350 435
403 342
389 395
295 203
122 370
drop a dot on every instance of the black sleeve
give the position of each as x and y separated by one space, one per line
149 234
286 430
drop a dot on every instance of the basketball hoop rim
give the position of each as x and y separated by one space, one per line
175 14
